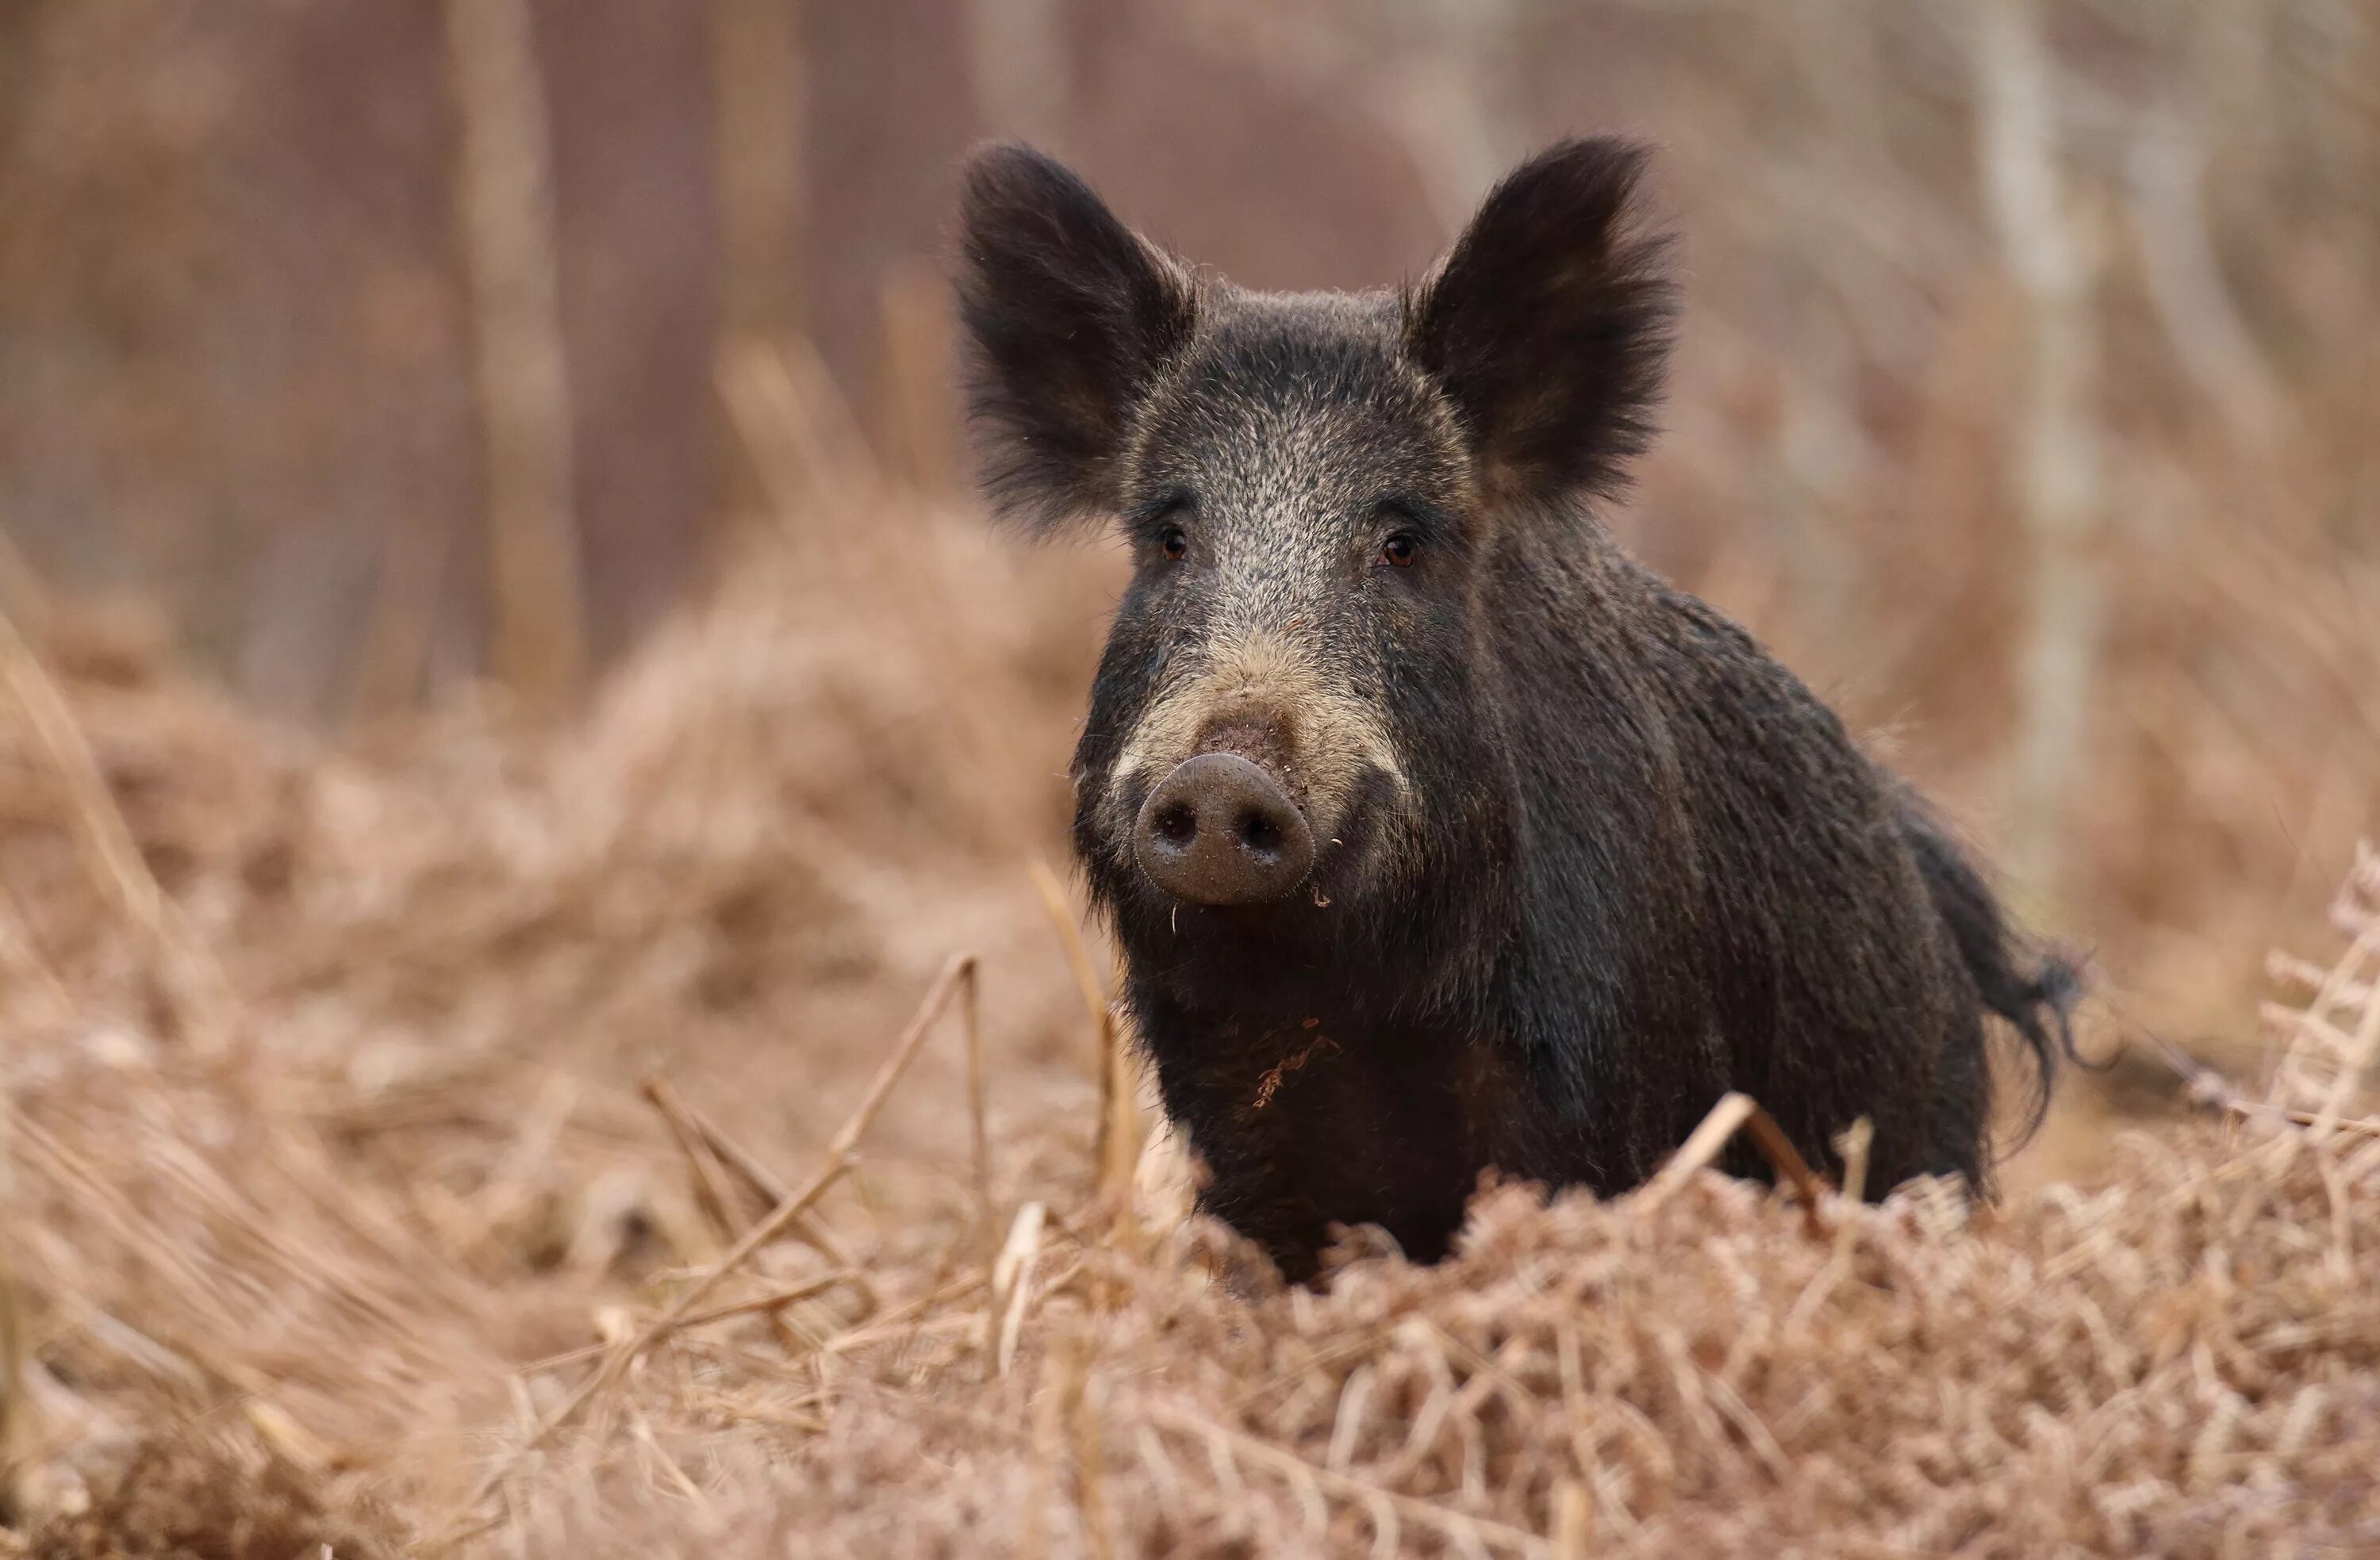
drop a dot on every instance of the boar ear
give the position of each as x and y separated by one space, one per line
1549 322
1069 314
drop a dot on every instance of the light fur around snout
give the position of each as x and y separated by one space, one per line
1330 737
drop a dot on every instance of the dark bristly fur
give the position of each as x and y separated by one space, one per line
1593 857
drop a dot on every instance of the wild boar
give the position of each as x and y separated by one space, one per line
1437 832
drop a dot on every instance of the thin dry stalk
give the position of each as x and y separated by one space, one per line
1790 1168
1116 1153
1703 1145
292 1442
111 856
775 1299
710 1187
1120 1136
904 1321
1012 1286
1857 1142
1574 1521
1853 1144
1070 938
971 1021
836 1163
764 1182
2211 1087
642 1429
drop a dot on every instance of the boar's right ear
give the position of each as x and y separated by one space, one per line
1548 323
1069 315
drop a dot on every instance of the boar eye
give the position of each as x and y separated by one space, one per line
1399 551
1174 542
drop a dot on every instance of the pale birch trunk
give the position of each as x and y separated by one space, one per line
506 200
2058 455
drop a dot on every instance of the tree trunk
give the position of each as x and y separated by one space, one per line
506 199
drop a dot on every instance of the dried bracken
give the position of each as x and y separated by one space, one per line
459 1233
182 1497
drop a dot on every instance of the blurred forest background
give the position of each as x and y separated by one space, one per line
507 703
2026 398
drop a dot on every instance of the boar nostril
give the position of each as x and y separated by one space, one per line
1260 834
1177 825
1220 830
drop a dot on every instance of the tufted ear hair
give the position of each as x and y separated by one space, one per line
1069 314
1548 324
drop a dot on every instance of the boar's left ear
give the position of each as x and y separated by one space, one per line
1069 314
1548 324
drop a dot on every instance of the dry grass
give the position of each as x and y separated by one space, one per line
454 1225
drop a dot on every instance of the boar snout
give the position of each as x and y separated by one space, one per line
1218 830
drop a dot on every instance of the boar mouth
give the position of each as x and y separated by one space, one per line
1219 830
